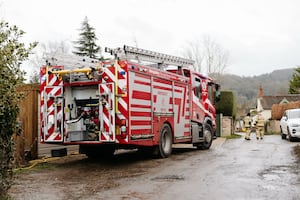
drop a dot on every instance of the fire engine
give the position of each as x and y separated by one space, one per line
138 99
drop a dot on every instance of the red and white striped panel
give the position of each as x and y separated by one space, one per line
181 110
122 113
107 112
171 97
51 85
140 104
52 108
200 106
43 81
117 75
122 99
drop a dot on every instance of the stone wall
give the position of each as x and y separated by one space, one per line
227 126
273 126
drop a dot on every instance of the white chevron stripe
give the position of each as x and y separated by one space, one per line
52 81
53 136
123 103
106 120
140 118
110 74
140 127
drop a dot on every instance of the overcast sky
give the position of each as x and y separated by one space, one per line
260 35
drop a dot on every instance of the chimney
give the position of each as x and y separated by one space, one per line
260 92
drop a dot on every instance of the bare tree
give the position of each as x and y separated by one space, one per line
209 46
210 54
219 61
194 51
216 57
52 48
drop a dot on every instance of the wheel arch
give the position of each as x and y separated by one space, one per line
171 127
209 121
166 139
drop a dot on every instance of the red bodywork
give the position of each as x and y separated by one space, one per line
124 103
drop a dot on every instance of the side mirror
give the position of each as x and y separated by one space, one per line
284 118
217 93
217 96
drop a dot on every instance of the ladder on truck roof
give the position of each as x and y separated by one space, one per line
148 56
70 61
74 67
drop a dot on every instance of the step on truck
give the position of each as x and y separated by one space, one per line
138 99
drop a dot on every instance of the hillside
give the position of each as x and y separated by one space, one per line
246 88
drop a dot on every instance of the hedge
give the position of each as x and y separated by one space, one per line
227 104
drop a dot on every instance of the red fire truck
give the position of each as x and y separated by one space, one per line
138 99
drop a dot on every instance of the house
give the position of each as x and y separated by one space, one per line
264 103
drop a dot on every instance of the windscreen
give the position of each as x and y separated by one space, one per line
294 114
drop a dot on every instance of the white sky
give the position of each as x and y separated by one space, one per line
260 35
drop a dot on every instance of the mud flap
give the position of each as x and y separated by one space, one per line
53 114
107 112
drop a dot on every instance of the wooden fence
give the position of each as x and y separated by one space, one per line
28 146
27 142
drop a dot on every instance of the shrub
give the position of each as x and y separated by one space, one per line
12 54
227 104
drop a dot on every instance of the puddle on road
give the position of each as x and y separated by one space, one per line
269 187
277 176
255 150
274 173
168 178
271 177
278 169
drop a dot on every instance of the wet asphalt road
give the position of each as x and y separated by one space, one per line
235 169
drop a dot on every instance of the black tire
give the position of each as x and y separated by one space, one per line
283 136
289 137
208 138
165 142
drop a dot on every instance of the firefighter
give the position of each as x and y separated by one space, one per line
260 126
247 122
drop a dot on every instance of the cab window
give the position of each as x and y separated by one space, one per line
211 94
197 89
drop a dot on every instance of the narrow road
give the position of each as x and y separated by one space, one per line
239 169
231 170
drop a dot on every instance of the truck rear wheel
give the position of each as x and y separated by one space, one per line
165 142
207 136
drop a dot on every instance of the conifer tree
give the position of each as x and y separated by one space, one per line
86 44
295 82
